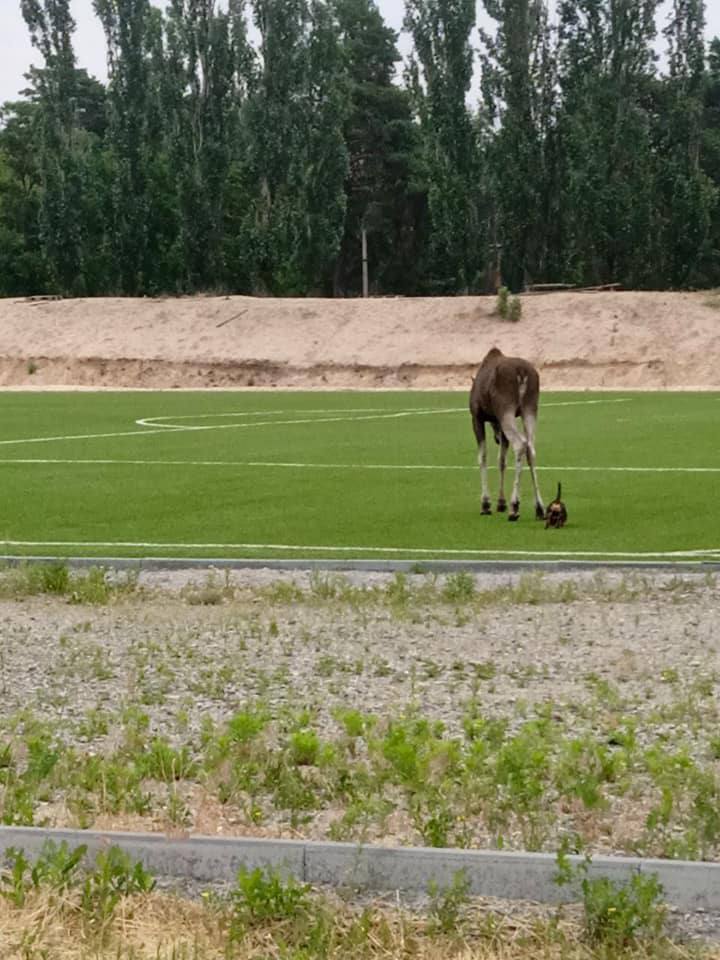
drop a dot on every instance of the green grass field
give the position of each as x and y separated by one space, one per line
382 475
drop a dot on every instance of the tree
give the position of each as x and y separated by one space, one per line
131 28
201 67
687 196
439 75
710 155
518 86
382 141
51 28
606 70
23 269
295 161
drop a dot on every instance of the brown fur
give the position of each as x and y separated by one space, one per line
556 515
506 387
496 388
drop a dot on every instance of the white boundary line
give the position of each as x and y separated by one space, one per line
301 465
300 548
156 428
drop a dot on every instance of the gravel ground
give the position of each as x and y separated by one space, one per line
188 646
651 638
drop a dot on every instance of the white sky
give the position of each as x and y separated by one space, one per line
16 53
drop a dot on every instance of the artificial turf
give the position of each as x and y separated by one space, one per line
379 474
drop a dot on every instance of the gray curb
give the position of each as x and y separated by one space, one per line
367 566
687 885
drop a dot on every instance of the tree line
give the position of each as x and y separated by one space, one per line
245 148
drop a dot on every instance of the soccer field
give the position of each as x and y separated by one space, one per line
364 475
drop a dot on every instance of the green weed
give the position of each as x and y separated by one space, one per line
616 915
114 876
262 895
448 905
459 587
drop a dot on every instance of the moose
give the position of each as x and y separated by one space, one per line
505 388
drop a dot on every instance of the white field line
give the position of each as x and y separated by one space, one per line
301 548
164 428
301 465
231 426
158 421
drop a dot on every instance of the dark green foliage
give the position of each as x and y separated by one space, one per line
518 79
382 141
61 154
209 162
440 76
23 269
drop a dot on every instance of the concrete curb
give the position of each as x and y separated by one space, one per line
368 566
688 885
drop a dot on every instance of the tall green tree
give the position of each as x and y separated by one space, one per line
382 141
710 154
606 72
687 196
440 75
130 28
296 159
23 268
51 29
201 66
518 85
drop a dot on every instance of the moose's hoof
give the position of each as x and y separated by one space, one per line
485 510
513 516
514 511
539 511
502 505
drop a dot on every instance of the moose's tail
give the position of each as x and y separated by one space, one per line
558 497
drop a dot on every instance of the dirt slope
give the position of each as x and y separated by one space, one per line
611 340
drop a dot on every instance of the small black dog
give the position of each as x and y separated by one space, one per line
556 513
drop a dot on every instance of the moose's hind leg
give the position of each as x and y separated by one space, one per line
502 462
519 445
482 463
530 421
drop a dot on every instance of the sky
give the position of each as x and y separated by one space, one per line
16 53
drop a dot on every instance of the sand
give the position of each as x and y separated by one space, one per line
610 340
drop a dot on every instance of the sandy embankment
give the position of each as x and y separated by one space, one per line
582 340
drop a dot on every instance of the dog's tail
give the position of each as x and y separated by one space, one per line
558 497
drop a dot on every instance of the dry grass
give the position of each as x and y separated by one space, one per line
159 926
154 925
